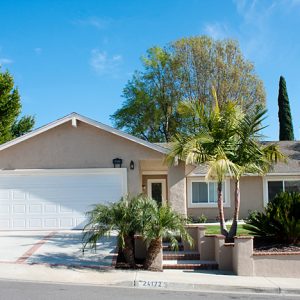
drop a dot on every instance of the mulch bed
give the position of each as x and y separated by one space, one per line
269 245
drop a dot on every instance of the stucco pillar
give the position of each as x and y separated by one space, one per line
223 253
177 188
243 256
207 247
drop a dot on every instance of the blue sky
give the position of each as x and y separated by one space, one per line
78 55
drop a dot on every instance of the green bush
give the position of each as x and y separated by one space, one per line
280 220
200 219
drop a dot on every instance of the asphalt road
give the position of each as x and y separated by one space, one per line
11 290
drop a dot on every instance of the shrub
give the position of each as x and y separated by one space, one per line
200 219
280 220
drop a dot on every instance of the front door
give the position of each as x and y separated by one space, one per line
157 189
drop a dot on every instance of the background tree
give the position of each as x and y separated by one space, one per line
10 109
286 132
185 70
150 109
205 63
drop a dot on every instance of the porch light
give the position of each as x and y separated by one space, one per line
132 165
117 162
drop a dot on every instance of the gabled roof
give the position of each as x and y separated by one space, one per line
74 116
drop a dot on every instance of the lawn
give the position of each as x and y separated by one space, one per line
215 229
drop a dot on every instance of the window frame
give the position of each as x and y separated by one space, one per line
275 178
207 205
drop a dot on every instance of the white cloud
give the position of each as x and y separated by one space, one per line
216 30
102 63
98 23
5 61
38 50
255 31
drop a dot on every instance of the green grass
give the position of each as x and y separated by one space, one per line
215 229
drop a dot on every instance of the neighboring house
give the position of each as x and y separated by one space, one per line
51 176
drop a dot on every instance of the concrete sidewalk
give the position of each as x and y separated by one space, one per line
169 279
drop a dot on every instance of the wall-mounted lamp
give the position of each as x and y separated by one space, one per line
117 162
131 165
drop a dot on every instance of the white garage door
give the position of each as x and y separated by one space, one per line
56 199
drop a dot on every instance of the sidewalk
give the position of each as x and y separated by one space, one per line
169 279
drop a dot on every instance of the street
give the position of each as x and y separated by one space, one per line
12 290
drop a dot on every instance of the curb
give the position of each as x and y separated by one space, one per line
160 285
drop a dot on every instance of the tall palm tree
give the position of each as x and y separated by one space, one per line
158 221
250 155
227 141
119 216
210 142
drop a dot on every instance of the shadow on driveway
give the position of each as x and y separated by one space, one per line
63 248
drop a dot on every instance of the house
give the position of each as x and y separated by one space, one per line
51 176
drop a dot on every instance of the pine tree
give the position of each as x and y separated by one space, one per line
11 126
286 132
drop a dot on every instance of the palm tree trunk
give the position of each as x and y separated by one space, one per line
128 251
237 202
223 228
153 250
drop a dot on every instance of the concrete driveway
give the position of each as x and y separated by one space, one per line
62 248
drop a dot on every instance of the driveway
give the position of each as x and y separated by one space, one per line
62 248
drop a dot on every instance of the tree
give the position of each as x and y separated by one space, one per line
250 155
158 221
103 219
130 216
185 70
10 109
286 132
211 143
227 140
149 111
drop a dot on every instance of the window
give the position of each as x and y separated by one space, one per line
203 193
277 186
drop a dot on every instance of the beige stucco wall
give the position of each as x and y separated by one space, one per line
251 199
153 165
177 187
284 265
65 147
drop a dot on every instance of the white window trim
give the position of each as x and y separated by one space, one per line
155 172
206 205
163 184
266 179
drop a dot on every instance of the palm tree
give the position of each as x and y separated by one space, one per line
104 219
250 155
158 221
210 142
227 141
129 216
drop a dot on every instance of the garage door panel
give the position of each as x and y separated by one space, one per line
56 201
4 209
